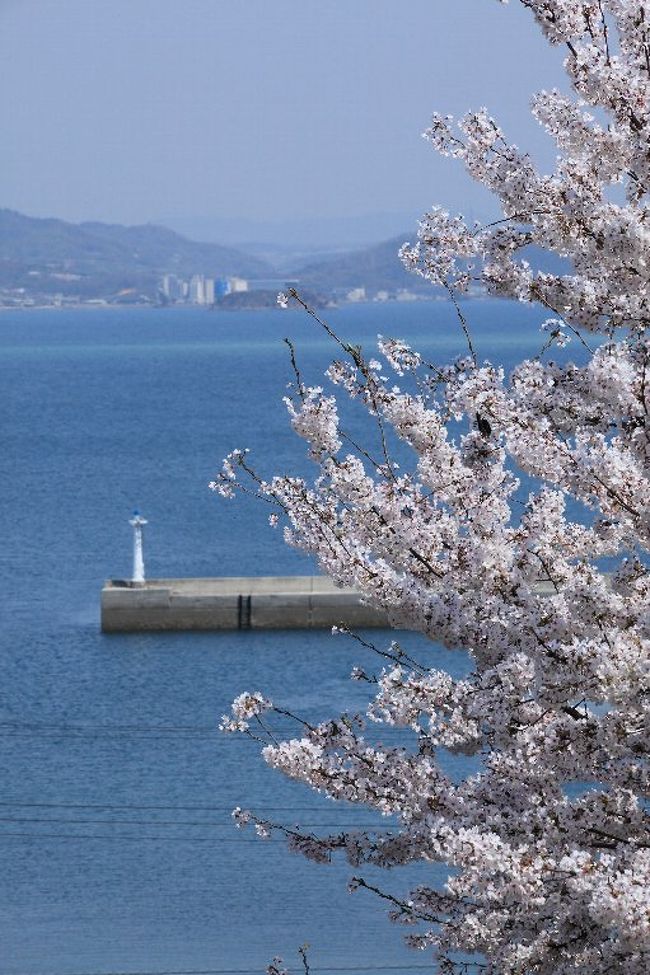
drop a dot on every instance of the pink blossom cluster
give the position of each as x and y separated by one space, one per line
550 841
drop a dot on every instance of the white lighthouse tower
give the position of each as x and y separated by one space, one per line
138 557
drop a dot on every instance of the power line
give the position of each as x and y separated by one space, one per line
109 805
89 726
104 730
167 838
85 726
257 971
215 739
120 836
37 728
121 735
175 822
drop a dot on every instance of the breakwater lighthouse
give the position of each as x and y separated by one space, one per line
138 555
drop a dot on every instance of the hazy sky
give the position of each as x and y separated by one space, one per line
264 110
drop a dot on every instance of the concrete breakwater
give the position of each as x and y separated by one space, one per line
233 603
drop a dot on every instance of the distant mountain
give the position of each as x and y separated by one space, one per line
379 268
286 259
324 233
96 259
46 257
375 268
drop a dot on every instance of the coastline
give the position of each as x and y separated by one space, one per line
145 306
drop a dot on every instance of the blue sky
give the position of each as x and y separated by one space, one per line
254 110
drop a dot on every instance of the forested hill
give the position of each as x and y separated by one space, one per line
108 257
380 268
97 260
375 268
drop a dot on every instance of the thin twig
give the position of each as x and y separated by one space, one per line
302 951
463 322
294 364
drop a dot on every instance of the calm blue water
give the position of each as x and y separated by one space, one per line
115 835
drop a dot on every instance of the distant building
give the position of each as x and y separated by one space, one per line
197 289
173 288
238 284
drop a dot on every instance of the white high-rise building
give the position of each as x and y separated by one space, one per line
238 284
197 289
172 287
208 291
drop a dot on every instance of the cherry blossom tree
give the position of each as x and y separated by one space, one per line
546 878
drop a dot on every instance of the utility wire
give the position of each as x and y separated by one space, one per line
122 736
257 971
27 727
214 739
174 822
137 839
166 808
211 729
168 837
127 726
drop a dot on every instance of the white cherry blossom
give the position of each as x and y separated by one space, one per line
547 587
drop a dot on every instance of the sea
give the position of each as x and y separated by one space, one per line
119 854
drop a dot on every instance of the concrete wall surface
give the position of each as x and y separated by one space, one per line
233 603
